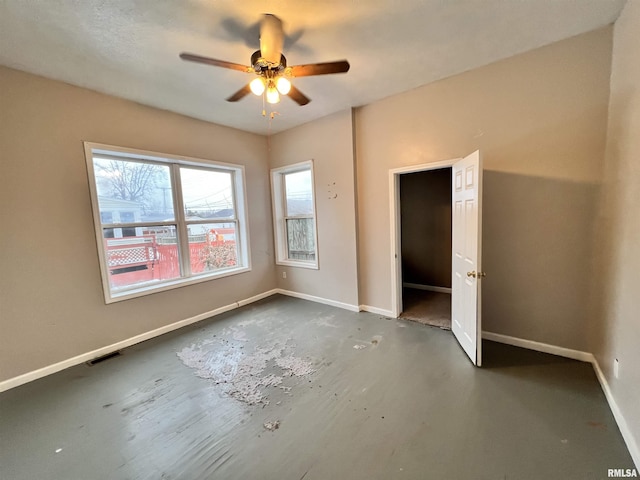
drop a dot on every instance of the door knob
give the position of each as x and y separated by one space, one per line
474 274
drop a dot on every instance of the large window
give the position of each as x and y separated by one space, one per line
294 215
164 221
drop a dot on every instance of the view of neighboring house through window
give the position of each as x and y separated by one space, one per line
294 214
163 221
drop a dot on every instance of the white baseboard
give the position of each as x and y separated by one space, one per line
313 298
85 357
334 303
255 298
431 288
632 444
377 311
539 347
630 441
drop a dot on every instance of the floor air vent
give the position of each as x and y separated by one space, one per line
103 358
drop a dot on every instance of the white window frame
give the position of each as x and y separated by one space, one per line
174 162
279 203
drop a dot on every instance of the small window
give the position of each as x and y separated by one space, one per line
294 215
163 221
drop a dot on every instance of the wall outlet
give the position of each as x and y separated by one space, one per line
616 368
284 275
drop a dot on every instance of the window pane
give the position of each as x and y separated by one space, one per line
212 246
148 256
131 192
298 193
206 194
301 239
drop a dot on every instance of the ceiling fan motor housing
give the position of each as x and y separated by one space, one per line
271 38
260 65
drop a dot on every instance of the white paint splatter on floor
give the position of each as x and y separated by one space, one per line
242 375
325 321
294 366
271 426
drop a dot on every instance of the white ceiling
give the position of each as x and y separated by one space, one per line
130 48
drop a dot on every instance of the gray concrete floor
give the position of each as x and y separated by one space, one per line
387 399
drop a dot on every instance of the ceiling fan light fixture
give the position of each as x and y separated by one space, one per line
270 65
272 95
257 86
283 85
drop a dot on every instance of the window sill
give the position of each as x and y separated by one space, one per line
142 291
297 263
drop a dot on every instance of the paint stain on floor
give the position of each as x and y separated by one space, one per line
243 373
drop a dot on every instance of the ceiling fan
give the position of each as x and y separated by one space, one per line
270 66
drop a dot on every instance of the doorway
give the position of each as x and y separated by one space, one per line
465 247
425 246
397 275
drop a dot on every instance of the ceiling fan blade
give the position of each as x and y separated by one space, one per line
216 63
341 66
298 97
271 38
240 94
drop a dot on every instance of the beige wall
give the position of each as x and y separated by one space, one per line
539 120
425 212
51 302
329 142
618 333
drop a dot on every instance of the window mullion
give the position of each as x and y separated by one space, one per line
182 231
212 220
137 224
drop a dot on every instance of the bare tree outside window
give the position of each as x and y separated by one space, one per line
133 181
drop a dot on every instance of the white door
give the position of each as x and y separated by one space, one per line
466 272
